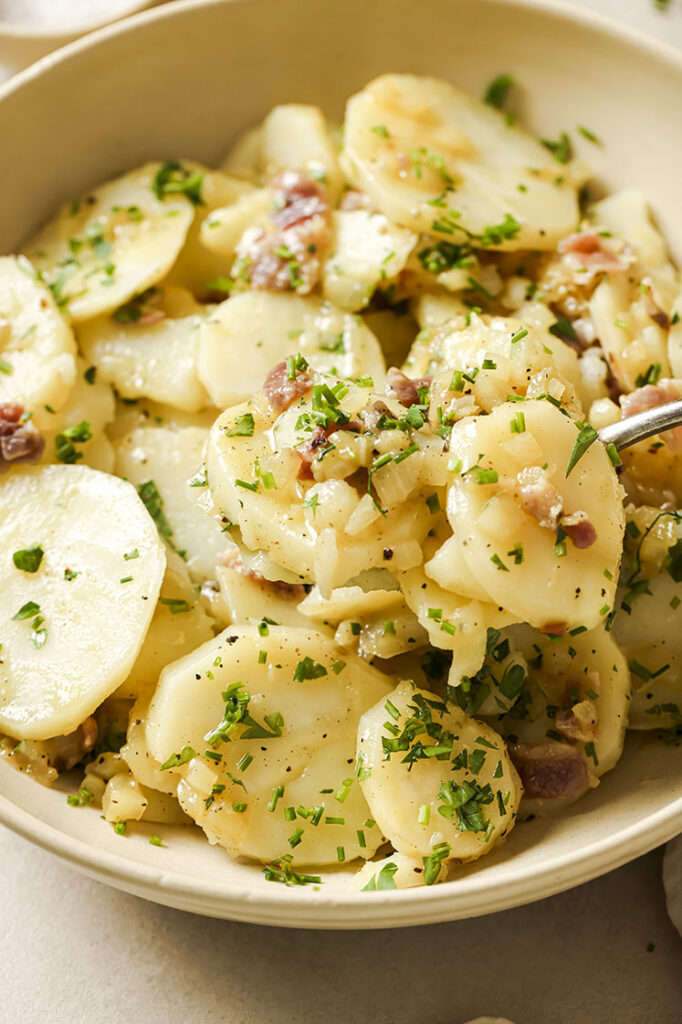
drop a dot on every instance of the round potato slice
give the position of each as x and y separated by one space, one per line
197 267
467 801
255 788
325 530
149 356
247 335
74 610
507 505
437 161
647 628
116 241
168 459
76 431
37 347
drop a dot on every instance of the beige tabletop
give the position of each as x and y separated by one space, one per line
73 951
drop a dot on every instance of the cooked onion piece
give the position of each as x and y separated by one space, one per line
437 161
73 625
118 240
544 545
467 801
245 336
37 347
296 736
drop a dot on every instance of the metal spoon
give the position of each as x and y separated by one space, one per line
643 424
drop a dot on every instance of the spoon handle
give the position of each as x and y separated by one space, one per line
643 424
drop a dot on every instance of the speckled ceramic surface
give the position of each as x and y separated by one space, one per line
183 81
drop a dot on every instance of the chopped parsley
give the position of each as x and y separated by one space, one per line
587 435
242 427
28 559
497 91
174 179
66 440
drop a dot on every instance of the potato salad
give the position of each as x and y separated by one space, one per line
307 536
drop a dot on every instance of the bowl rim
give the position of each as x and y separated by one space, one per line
559 10
296 907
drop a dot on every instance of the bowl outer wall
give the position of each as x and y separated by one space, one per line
185 80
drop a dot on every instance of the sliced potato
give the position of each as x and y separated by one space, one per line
156 360
518 561
245 157
245 596
270 327
305 702
91 402
111 244
221 232
519 351
567 675
171 457
323 531
411 140
367 251
179 626
467 801
37 347
197 266
71 629
296 136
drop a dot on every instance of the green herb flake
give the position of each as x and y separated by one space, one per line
497 91
587 435
28 559
242 427
309 669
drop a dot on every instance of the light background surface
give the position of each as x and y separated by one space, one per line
75 952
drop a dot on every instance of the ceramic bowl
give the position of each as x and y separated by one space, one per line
184 80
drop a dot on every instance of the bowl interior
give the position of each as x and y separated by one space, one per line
183 81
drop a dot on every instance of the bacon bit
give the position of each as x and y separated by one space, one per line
307 452
280 391
295 591
650 397
550 771
585 253
67 751
403 388
289 257
19 442
579 529
579 723
539 497
541 500
553 628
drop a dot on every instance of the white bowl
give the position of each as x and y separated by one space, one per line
22 42
183 81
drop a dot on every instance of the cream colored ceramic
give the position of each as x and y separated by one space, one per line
183 81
